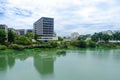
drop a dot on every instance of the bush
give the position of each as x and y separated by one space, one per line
91 44
2 47
23 40
82 44
16 47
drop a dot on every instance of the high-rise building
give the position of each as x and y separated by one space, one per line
44 27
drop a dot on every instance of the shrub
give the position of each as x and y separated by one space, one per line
23 40
3 47
91 44
16 47
82 44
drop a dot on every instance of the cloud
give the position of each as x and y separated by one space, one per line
83 16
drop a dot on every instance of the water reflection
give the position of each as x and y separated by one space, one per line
44 64
3 63
101 53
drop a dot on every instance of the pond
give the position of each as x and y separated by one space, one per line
82 64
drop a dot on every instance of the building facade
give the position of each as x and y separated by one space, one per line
29 30
44 27
21 31
4 27
75 35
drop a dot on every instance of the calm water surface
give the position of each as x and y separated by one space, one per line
86 64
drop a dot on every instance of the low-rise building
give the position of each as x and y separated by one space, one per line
4 27
21 31
75 35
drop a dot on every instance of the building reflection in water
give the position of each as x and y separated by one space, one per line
44 64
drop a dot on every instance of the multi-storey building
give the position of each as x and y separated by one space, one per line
44 27
21 31
29 30
4 27
74 35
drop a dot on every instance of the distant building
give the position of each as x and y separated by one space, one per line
75 35
44 27
21 31
4 27
109 32
12 29
29 30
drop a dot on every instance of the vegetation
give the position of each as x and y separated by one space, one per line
23 40
3 36
3 47
11 36
16 47
19 42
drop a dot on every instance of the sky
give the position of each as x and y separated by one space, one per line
82 16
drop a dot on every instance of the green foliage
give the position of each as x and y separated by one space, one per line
23 40
2 36
30 35
106 45
106 37
64 44
116 36
91 44
61 52
3 47
74 43
95 37
36 37
83 37
82 44
53 44
60 38
16 47
11 36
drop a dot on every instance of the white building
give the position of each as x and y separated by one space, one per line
75 35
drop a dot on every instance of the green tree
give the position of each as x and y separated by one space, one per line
2 36
82 44
116 36
95 37
91 44
23 40
60 38
106 37
30 35
11 36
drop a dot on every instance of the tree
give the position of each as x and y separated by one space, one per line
91 44
82 44
30 35
95 37
60 38
2 36
106 37
84 37
23 40
116 36
11 36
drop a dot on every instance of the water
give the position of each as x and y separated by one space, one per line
84 64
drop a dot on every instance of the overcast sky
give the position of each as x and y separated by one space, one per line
83 16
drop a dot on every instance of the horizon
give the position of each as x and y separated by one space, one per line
82 16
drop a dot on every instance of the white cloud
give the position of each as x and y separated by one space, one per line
72 14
